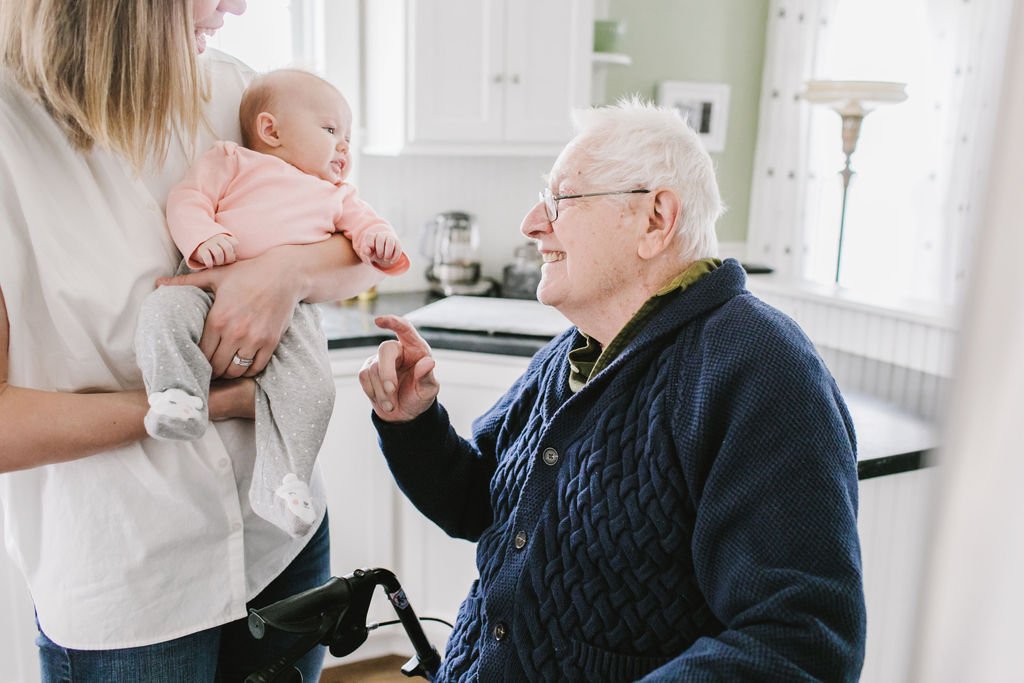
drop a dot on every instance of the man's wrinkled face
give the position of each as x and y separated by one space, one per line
589 250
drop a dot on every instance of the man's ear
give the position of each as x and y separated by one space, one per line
664 211
266 129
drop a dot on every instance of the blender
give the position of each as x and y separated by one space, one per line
451 241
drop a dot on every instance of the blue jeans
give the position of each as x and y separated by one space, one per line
225 654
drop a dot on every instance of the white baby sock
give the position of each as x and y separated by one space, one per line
176 415
297 497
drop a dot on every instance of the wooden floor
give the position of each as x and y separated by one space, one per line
380 670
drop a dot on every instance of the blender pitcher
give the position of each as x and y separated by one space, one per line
451 242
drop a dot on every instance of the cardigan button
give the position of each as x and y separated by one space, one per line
550 456
500 631
520 540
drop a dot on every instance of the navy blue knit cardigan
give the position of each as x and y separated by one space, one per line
689 515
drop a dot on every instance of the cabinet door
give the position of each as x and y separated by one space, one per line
372 523
439 569
894 527
456 77
361 491
547 63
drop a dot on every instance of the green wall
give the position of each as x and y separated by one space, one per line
719 41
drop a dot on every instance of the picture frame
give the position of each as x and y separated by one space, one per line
705 106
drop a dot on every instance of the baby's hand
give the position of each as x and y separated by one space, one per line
219 250
383 249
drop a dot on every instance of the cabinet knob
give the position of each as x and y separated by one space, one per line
515 79
498 78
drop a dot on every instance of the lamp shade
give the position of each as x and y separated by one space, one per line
854 98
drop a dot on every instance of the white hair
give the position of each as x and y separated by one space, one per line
634 144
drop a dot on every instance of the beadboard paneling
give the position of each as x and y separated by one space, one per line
410 190
893 524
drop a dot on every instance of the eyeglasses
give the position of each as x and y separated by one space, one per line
550 201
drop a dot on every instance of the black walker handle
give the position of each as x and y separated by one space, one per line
334 614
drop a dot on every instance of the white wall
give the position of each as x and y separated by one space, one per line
409 191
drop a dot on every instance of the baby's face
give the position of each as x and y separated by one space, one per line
314 130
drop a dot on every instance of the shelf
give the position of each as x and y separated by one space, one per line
610 59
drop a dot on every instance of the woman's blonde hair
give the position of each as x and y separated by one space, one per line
121 74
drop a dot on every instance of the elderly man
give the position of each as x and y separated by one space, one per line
669 492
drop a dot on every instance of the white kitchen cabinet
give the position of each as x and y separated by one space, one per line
894 518
437 567
361 491
361 498
474 76
372 524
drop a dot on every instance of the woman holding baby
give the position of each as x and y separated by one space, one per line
142 555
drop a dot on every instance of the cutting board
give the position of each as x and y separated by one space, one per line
491 315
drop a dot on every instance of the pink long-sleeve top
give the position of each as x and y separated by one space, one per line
265 202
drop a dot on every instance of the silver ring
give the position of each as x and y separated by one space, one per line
244 362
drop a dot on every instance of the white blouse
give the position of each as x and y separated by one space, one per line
155 540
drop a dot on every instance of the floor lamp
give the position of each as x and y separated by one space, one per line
852 100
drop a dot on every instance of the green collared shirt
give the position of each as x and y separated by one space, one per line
588 358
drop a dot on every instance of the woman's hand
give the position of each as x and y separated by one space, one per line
253 305
399 380
255 298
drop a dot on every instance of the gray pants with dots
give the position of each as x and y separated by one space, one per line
294 397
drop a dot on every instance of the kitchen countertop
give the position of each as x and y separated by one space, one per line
890 441
350 325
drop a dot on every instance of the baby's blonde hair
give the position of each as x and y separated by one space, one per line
261 96
121 74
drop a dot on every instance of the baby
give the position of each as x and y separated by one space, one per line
284 185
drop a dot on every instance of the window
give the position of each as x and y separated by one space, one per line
914 202
272 34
